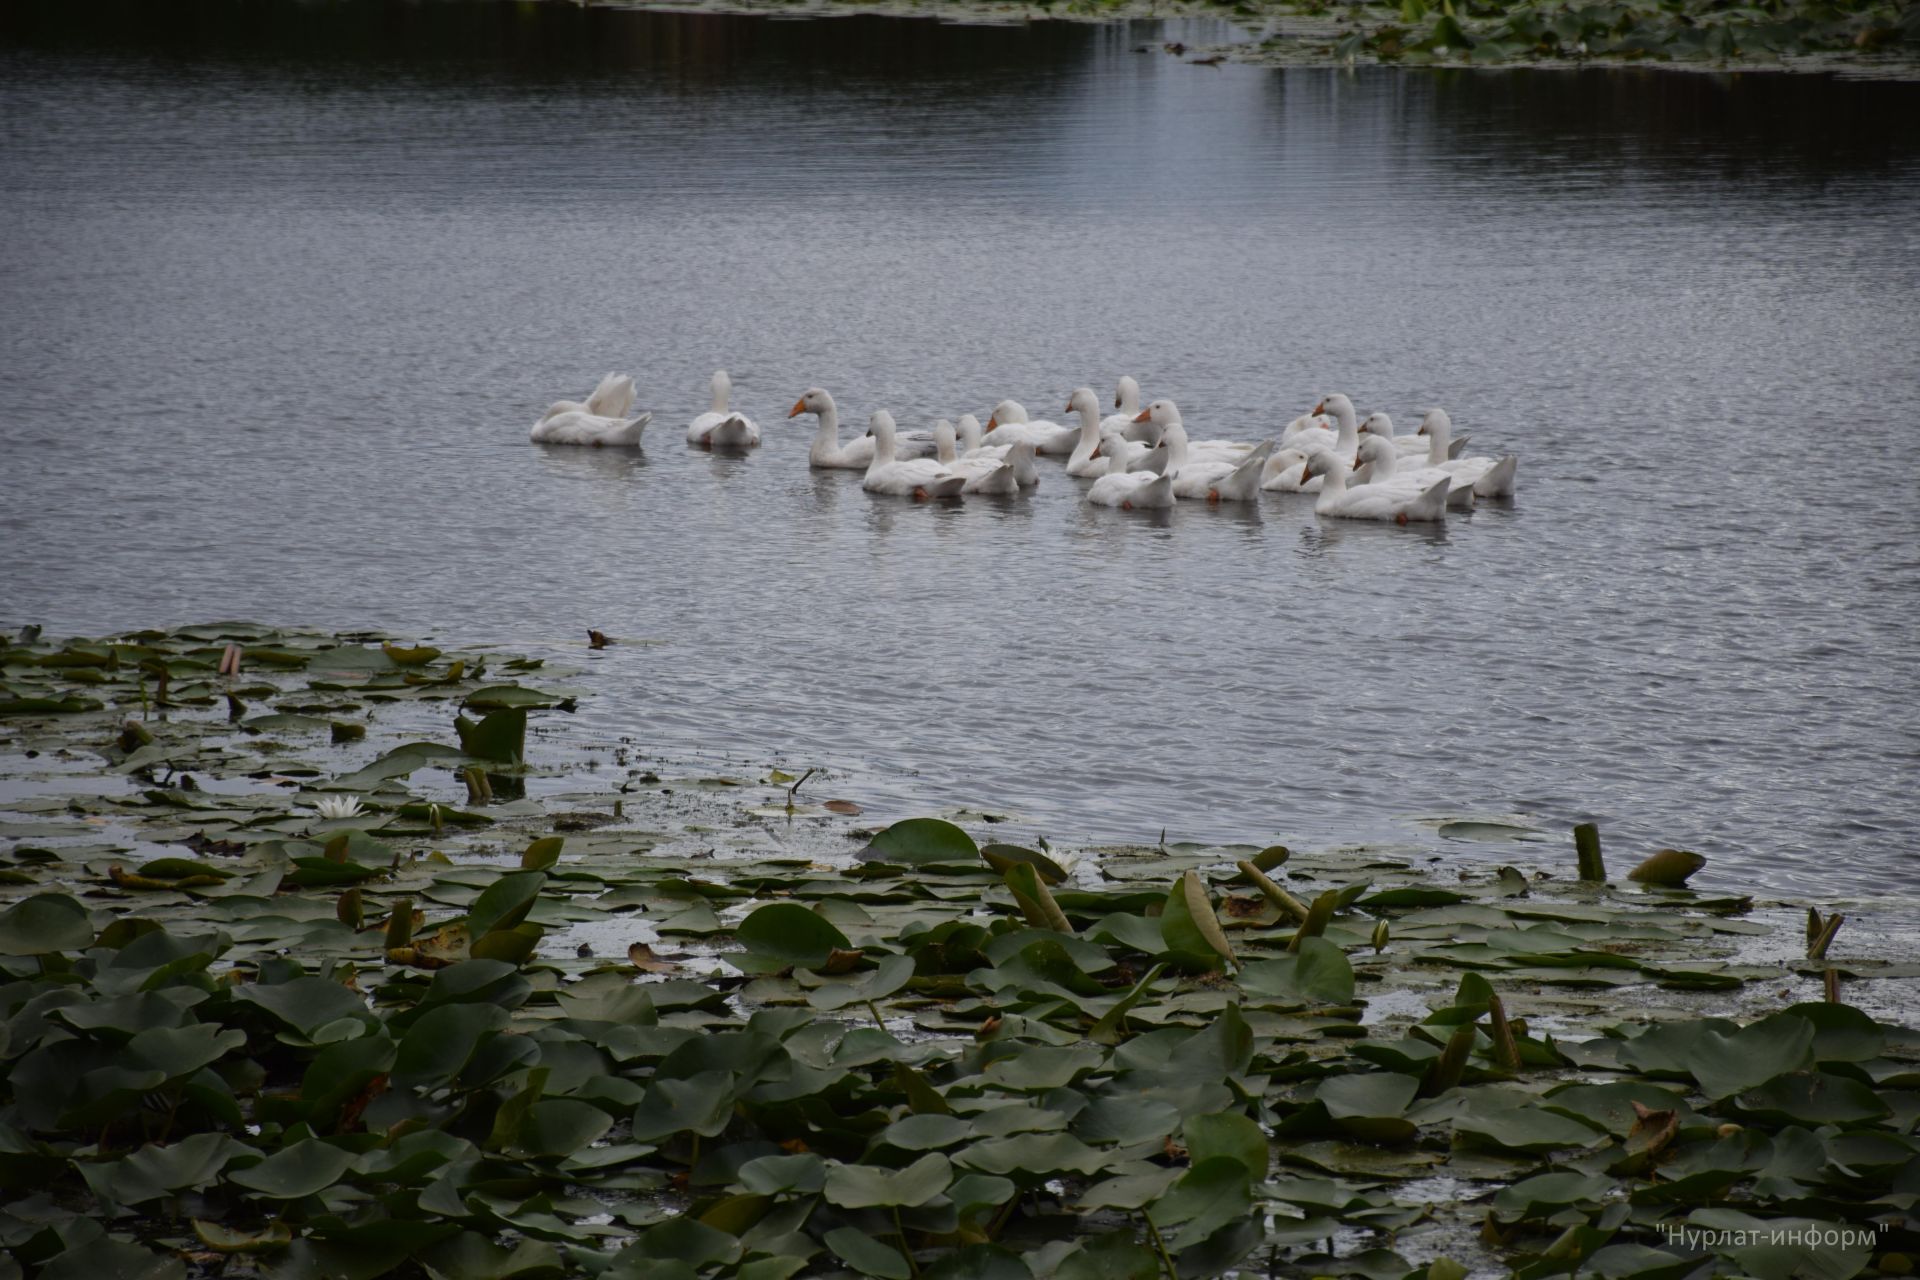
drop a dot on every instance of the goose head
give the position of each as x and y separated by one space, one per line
1382 454
813 400
1161 413
1322 463
1336 406
1006 411
1112 446
1436 423
969 431
1084 403
882 428
1126 397
1377 424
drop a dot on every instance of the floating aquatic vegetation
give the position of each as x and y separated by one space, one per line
377 1041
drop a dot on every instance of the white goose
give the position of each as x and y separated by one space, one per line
1380 465
719 428
574 427
1129 490
916 478
600 420
1009 424
1490 478
1208 478
1379 424
1090 458
856 455
1372 502
1025 473
611 399
1161 414
1126 407
984 475
1308 434
1287 469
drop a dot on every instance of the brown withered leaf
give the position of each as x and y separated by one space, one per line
839 961
842 806
642 957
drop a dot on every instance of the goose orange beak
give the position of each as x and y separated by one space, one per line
1321 407
799 407
1146 415
992 422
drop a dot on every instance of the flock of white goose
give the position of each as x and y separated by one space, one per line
1137 457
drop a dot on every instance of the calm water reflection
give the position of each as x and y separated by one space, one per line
286 283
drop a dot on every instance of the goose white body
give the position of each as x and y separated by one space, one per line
1373 502
719 427
1130 490
599 421
827 453
1009 424
917 478
1380 465
1490 477
574 426
983 475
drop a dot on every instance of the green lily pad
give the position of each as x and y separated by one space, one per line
302 1169
43 925
788 934
853 1186
921 841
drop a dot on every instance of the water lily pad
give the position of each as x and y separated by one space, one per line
43 925
788 934
866 1255
299 1170
866 1187
1231 1135
1319 973
920 842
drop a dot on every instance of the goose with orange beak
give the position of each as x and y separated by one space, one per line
1372 502
1129 490
1009 424
1090 459
1489 477
916 478
1204 478
826 451
1287 470
1380 464
1161 414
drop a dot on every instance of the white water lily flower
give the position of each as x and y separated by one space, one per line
339 806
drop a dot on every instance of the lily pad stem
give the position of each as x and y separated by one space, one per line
899 1229
1160 1247
1274 893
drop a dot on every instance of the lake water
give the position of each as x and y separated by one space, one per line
286 284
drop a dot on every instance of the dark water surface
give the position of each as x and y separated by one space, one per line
284 286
